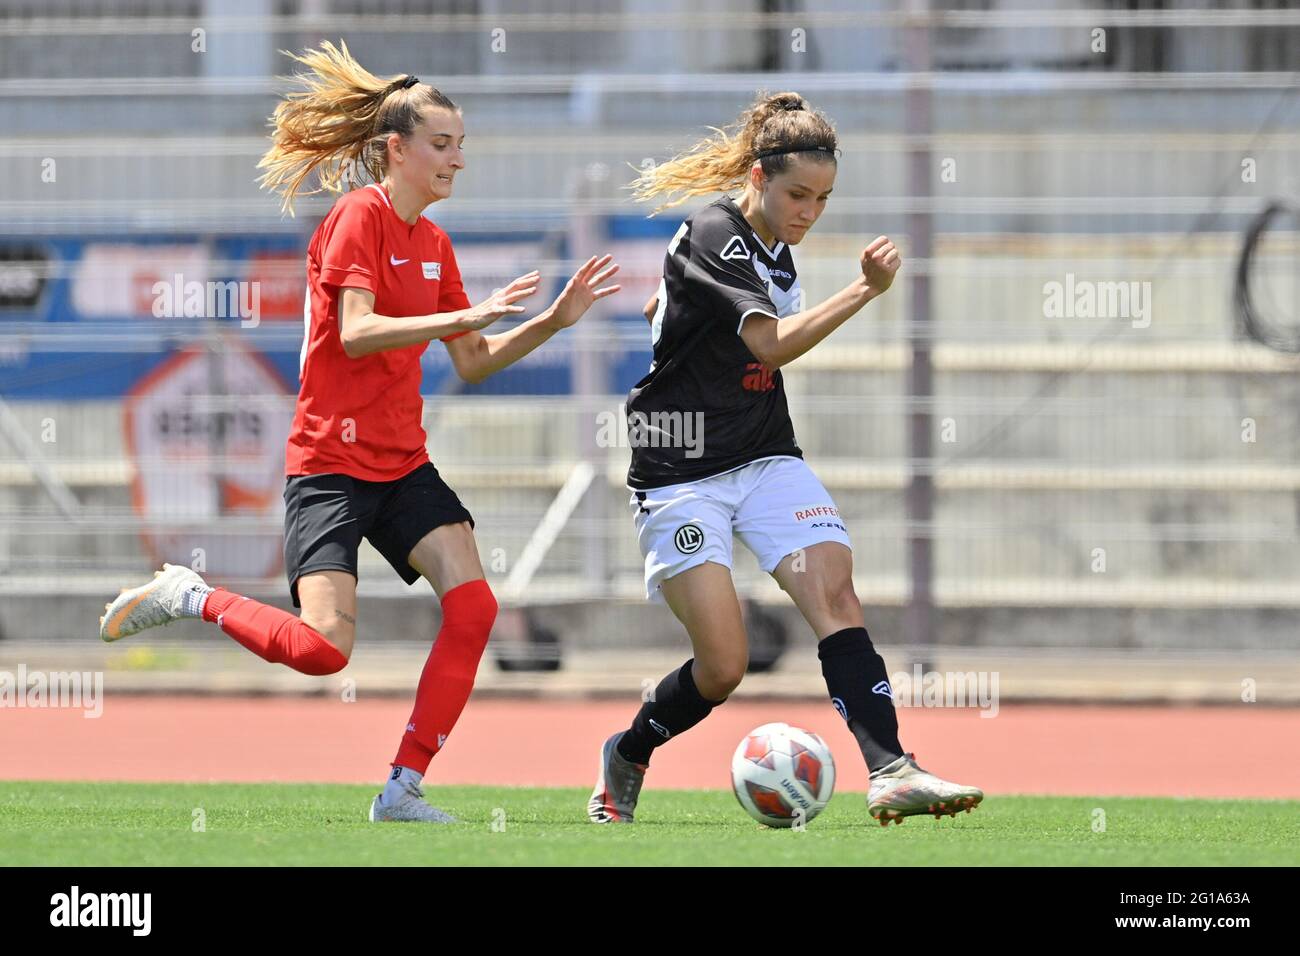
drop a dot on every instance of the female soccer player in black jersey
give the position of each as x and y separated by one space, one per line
714 452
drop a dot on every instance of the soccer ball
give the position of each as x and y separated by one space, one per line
782 775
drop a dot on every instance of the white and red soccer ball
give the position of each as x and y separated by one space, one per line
782 775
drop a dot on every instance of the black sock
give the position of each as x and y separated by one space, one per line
859 687
677 706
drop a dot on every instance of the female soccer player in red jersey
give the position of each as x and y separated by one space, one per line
382 283
727 316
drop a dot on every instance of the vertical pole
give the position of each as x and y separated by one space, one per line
918 619
591 379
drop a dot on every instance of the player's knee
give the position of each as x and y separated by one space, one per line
836 600
486 609
472 607
468 613
345 652
340 634
845 604
328 661
717 678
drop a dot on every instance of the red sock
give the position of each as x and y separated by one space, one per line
468 611
273 635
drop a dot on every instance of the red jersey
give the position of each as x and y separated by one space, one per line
362 416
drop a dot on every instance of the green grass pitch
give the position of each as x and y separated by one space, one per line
110 824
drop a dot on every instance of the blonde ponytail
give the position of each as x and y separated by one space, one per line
338 125
721 163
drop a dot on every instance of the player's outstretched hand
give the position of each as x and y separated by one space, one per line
880 262
502 301
586 286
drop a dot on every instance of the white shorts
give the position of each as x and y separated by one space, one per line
774 505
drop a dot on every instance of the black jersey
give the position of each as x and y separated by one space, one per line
707 404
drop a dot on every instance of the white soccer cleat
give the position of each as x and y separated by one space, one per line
152 604
902 789
410 807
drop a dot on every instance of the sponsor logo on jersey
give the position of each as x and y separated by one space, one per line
689 538
829 524
779 273
432 270
757 378
735 249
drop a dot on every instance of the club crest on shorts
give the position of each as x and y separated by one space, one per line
689 538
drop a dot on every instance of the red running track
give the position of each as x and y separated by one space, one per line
1086 750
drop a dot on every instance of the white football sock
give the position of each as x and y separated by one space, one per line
193 599
394 789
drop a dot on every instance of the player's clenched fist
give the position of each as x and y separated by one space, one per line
880 262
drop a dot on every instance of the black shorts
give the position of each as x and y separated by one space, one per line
326 516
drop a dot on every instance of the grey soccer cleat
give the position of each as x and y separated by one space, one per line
617 786
158 602
902 789
409 808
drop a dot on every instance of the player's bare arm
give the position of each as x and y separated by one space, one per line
779 343
364 331
476 356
